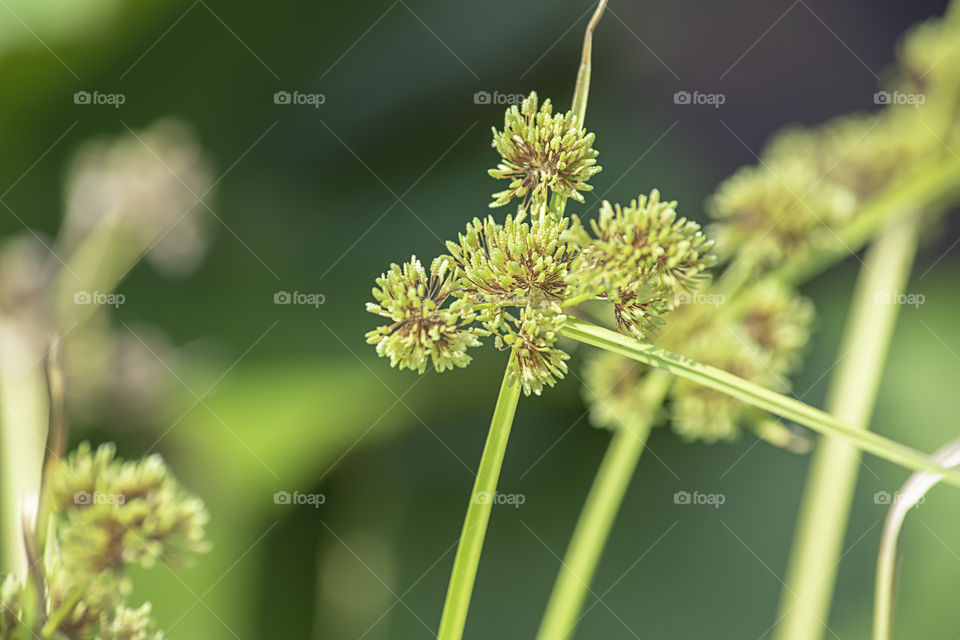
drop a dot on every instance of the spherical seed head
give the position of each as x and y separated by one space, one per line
514 263
423 329
863 153
642 256
762 343
536 361
770 213
115 513
613 389
779 322
644 242
542 152
928 58
638 311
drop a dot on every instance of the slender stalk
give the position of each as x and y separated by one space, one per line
56 435
910 495
582 90
598 514
465 565
754 395
23 427
825 507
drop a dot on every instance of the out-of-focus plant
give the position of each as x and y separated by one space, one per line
93 518
911 494
529 280
135 196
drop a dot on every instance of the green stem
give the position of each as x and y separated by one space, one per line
56 436
825 507
753 394
598 514
23 426
912 492
582 90
886 569
465 565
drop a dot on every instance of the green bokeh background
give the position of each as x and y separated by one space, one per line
310 408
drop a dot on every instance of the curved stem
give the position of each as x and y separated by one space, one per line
598 514
754 395
825 507
457 602
912 492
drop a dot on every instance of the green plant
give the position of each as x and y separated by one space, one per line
535 277
95 517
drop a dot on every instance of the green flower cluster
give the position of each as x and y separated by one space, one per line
811 183
513 262
807 190
759 338
423 330
107 516
642 256
542 153
514 280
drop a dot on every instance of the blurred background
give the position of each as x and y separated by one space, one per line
330 139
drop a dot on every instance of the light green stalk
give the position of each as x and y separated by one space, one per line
465 565
23 432
825 507
754 395
910 495
599 512
581 91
